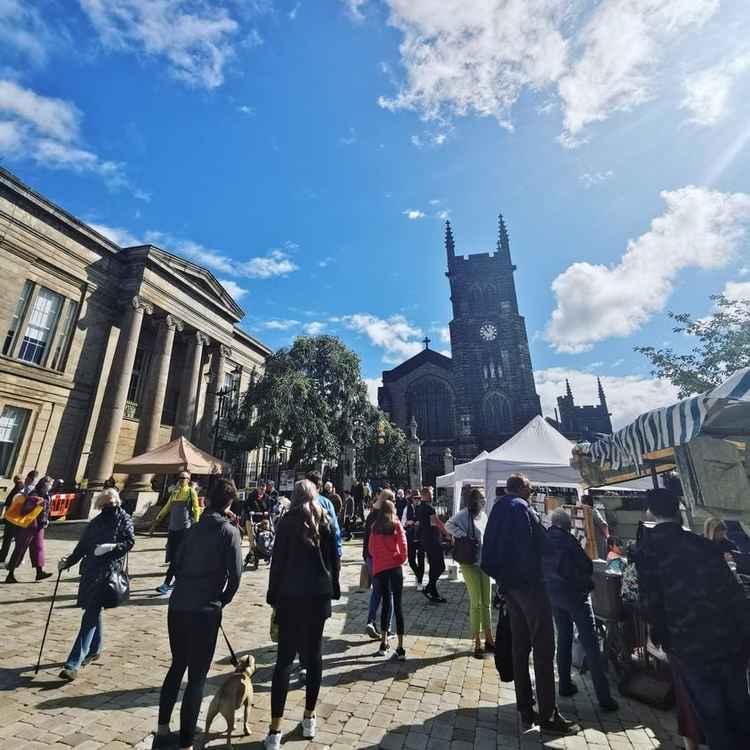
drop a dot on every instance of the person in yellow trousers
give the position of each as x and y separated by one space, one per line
184 510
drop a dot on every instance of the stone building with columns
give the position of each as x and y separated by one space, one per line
107 351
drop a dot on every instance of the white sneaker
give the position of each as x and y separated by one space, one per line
419 587
309 727
272 741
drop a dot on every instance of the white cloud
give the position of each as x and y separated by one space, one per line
325 262
196 38
279 325
234 289
443 215
22 28
591 179
706 93
435 201
275 263
462 58
246 110
395 335
444 333
314 328
700 228
737 290
619 49
627 396
413 213
118 235
46 130
294 11
349 139
372 389
355 8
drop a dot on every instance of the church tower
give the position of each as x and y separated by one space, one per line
493 378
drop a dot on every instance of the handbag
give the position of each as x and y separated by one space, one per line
364 577
504 643
115 588
466 548
14 515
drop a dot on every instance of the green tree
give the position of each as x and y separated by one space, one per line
309 394
721 346
384 451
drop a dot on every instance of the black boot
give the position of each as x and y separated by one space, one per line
41 575
11 578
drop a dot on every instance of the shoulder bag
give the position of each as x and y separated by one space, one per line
466 548
115 588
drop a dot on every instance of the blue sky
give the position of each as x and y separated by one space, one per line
309 152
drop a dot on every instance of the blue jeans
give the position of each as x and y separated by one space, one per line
566 614
89 640
721 704
375 596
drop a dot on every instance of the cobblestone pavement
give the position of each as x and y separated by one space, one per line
440 698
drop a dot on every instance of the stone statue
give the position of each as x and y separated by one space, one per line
413 428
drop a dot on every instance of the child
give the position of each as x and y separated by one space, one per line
264 541
616 559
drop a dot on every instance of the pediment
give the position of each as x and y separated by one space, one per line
198 278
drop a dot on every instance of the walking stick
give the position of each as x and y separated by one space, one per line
46 627
235 660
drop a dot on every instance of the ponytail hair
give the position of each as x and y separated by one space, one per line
385 522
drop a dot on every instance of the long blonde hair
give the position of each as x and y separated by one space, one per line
303 498
712 527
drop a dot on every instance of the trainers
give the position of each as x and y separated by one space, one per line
372 631
42 574
567 691
302 676
11 578
309 725
528 719
400 654
558 724
391 635
89 659
272 741
165 588
68 674
419 586
383 650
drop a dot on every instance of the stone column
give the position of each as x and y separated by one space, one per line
113 405
218 368
153 397
189 387
349 475
415 457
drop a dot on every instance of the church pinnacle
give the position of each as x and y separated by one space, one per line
602 397
568 391
450 247
503 241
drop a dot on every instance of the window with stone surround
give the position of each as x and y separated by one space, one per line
40 329
13 421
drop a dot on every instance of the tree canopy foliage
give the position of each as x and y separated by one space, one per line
310 395
721 345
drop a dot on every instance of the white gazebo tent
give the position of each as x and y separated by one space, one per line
538 450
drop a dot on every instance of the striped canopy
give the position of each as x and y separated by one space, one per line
723 411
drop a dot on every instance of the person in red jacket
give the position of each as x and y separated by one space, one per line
388 550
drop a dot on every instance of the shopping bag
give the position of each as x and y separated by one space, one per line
364 577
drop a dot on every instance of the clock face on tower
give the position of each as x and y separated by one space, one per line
488 331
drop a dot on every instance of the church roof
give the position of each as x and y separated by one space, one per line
426 356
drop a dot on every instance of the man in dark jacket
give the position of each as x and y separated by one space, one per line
568 574
512 550
700 616
209 566
409 522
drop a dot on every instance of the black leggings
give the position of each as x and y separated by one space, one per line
174 542
391 583
192 640
304 636
416 559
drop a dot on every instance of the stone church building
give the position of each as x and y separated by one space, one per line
482 394
107 351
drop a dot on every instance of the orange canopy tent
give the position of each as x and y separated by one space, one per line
172 458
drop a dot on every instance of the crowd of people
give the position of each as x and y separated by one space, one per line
697 612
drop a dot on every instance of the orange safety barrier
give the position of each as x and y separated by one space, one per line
59 506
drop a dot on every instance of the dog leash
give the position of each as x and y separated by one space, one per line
235 661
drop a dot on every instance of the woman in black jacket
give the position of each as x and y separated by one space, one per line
304 578
103 545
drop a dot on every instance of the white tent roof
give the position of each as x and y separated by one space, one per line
538 443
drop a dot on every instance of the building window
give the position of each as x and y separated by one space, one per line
12 426
17 315
506 307
137 380
47 325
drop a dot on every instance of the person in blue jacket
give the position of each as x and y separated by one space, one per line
512 550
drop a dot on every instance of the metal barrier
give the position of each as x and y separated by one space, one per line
60 504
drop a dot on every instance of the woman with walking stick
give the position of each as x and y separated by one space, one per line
103 545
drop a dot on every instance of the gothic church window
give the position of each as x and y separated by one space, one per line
430 401
497 414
